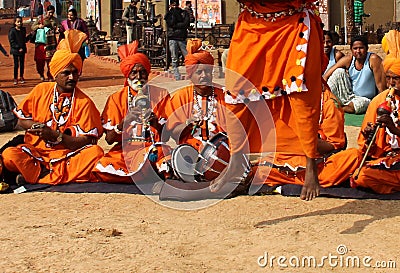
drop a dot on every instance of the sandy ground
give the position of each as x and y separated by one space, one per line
56 232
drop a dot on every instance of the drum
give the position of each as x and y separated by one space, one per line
183 160
214 158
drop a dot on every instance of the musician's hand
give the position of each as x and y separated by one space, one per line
151 118
387 121
194 121
45 133
368 130
133 115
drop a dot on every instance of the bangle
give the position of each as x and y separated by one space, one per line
118 131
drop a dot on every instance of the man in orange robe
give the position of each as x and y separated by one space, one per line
333 168
62 125
381 172
196 112
138 147
277 46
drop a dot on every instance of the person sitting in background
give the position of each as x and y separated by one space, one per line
62 125
331 53
357 78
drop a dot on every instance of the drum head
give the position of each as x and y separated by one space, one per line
214 157
183 160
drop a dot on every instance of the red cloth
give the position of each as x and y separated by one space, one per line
130 57
196 56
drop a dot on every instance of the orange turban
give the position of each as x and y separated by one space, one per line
67 52
391 45
130 57
196 56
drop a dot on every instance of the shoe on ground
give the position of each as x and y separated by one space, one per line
22 80
15 82
20 180
42 78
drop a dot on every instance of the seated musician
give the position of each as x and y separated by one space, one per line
381 171
196 111
62 125
135 128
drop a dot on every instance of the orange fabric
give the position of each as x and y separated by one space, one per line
336 169
180 110
332 172
380 180
130 57
331 128
67 52
124 161
391 45
66 165
382 138
265 53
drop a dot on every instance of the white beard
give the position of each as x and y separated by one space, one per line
133 83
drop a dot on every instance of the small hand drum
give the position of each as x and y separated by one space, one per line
183 160
214 158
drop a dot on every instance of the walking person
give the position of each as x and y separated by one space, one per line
44 50
17 38
178 22
74 22
130 17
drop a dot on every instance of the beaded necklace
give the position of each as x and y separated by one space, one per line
197 109
66 107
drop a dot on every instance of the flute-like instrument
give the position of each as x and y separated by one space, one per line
384 108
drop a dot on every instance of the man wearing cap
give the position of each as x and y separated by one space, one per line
135 130
130 17
381 173
178 22
62 125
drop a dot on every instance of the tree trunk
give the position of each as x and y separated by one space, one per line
350 28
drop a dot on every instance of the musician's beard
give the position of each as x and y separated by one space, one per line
134 83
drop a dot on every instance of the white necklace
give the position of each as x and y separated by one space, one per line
197 109
66 103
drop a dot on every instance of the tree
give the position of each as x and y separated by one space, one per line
350 28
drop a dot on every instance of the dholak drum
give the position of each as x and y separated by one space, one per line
183 160
214 158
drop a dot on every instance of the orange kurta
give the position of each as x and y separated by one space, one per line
289 168
381 174
282 57
126 158
65 165
182 107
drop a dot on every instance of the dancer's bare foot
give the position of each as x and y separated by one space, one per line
311 186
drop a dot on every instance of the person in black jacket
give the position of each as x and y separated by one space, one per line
130 17
178 21
17 38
